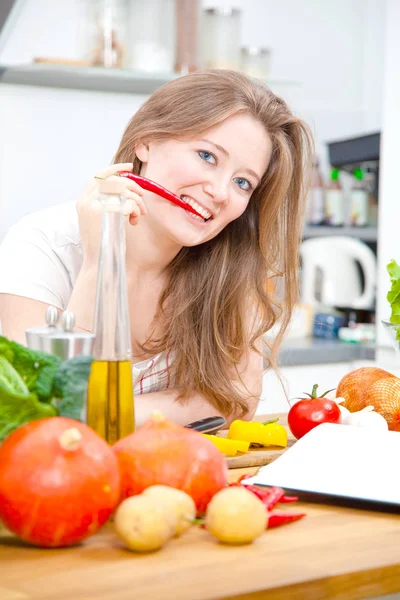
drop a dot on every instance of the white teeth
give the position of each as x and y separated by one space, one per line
204 213
195 216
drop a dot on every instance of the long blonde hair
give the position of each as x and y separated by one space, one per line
203 314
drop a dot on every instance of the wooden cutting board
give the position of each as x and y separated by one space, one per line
257 457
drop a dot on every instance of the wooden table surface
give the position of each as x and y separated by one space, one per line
334 552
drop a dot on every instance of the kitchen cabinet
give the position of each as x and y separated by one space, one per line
297 379
304 362
366 234
292 381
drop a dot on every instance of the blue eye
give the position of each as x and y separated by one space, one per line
244 184
207 157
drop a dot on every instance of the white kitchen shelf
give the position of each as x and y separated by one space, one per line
367 234
125 81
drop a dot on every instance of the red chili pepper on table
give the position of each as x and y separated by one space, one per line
272 496
276 519
151 186
259 492
286 499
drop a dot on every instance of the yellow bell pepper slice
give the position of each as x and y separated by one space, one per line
228 447
264 434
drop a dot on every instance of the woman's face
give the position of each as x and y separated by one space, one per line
216 172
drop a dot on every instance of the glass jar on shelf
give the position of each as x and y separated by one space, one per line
220 39
255 61
151 35
107 33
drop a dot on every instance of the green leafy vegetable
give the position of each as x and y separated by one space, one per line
394 293
70 385
15 410
34 385
37 369
10 380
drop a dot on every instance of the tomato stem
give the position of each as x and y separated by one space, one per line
314 392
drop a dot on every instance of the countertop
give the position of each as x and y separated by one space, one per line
335 553
305 351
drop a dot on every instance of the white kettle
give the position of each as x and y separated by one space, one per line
330 272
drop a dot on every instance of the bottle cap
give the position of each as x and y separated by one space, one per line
358 174
335 174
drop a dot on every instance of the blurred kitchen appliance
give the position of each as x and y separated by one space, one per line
357 152
338 272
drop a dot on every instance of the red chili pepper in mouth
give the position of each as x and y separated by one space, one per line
151 186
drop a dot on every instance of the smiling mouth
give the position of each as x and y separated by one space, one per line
205 214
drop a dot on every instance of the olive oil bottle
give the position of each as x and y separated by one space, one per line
110 402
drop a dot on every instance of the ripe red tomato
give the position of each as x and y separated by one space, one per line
59 482
307 413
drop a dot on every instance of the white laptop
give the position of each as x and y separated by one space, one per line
340 464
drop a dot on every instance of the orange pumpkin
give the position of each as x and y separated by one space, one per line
59 482
384 396
353 386
161 452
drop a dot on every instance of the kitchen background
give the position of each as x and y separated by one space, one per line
335 62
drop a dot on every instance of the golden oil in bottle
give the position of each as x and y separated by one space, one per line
110 405
110 402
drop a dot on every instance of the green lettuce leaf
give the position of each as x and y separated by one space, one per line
35 384
10 380
37 369
16 410
393 296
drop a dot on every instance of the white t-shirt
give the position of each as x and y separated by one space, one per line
40 259
41 256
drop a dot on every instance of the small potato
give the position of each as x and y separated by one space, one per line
144 525
236 516
176 501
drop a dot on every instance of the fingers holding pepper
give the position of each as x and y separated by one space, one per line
131 191
89 208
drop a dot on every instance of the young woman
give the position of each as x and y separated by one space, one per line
199 289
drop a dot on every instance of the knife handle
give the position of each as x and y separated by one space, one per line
208 425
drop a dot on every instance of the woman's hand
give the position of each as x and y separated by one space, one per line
89 208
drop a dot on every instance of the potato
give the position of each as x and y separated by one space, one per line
176 501
236 516
143 524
